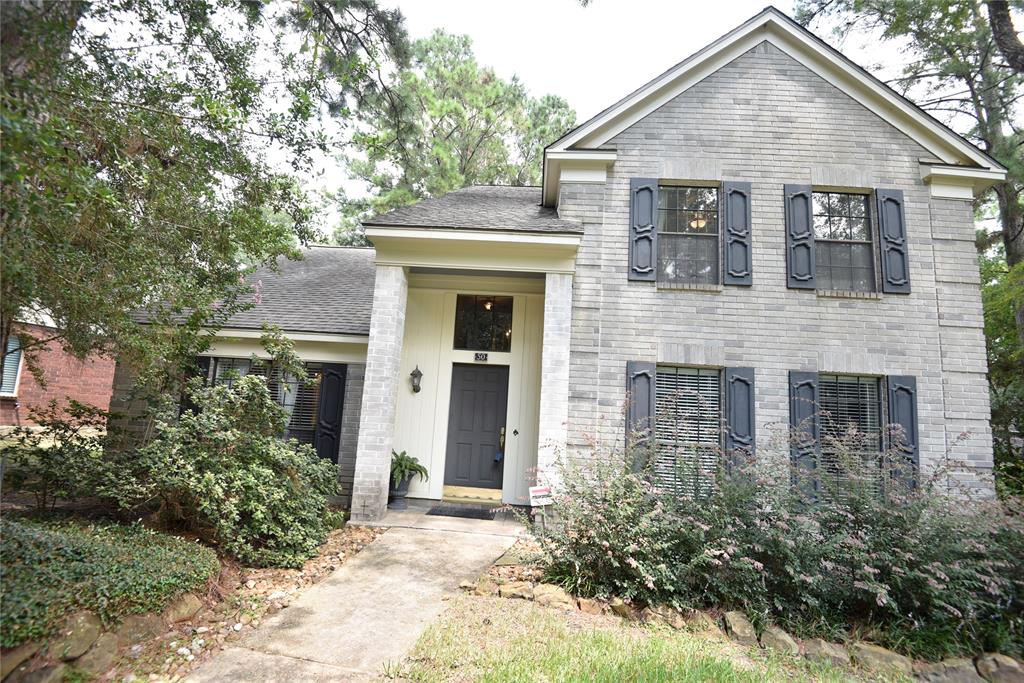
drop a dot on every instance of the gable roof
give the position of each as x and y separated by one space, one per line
481 207
330 291
777 28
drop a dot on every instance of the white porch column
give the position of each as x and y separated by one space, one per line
554 380
380 389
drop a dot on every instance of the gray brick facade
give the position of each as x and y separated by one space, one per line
766 119
350 429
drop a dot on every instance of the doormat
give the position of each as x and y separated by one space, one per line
466 511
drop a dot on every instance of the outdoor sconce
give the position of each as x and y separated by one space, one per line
416 376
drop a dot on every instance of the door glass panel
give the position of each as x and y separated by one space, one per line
483 323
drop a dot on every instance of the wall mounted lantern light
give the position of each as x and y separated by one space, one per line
416 376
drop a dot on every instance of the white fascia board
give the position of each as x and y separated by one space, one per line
958 182
574 165
775 28
245 333
496 236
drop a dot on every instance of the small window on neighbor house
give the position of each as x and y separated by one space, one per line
483 323
843 242
12 365
687 228
688 428
849 404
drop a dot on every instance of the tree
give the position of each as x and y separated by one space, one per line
1005 34
445 123
150 153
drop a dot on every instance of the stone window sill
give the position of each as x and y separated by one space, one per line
843 294
690 287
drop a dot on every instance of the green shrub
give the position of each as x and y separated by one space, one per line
909 565
51 569
224 472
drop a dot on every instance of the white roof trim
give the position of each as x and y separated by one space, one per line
775 27
248 333
464 235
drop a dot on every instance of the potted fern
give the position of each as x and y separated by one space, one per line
403 468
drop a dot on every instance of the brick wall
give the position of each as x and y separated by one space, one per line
350 428
766 119
87 381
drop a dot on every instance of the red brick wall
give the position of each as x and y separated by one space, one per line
89 381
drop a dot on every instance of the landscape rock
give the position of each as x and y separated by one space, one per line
591 606
671 616
80 631
486 586
137 628
700 622
740 629
467 585
549 595
100 657
13 658
516 589
774 638
48 674
999 668
622 608
879 660
183 609
959 670
824 652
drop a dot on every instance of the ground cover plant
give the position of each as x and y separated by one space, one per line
53 568
858 546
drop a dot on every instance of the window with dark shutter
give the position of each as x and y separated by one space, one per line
851 410
688 429
688 235
843 243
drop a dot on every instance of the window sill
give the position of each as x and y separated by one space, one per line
845 294
691 287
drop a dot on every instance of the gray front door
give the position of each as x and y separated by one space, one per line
476 418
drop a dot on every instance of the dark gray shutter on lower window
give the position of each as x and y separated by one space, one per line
201 368
640 389
903 415
736 219
892 231
332 400
643 233
803 418
739 405
799 237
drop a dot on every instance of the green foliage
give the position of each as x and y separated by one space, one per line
404 467
856 550
223 471
61 457
445 123
51 569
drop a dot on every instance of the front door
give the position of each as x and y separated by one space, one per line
476 423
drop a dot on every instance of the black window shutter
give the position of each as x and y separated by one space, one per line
903 418
799 237
739 404
736 219
892 231
201 368
803 418
327 439
643 234
640 385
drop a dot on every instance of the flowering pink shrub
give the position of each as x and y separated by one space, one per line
864 547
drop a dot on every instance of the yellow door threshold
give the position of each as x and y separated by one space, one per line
469 494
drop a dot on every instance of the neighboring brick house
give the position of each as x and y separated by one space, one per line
87 381
762 236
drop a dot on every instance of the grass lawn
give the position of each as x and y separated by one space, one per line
494 640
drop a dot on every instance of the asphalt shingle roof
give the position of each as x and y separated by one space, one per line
329 291
481 207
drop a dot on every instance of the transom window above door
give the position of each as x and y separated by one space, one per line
483 323
688 232
842 232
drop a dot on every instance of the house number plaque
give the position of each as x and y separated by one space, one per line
480 357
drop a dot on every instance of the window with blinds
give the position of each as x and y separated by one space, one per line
688 429
849 404
12 364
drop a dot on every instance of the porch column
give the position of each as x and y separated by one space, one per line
554 380
380 389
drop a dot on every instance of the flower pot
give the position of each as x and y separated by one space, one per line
397 494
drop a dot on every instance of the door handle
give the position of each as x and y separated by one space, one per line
501 438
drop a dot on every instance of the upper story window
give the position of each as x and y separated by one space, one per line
843 242
688 235
483 323
12 365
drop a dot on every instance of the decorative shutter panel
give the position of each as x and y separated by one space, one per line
799 237
803 418
643 234
201 368
903 412
332 399
640 385
739 405
738 257
892 231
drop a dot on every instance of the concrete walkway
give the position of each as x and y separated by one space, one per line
369 612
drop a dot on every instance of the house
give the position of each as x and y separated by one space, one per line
764 229
88 381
